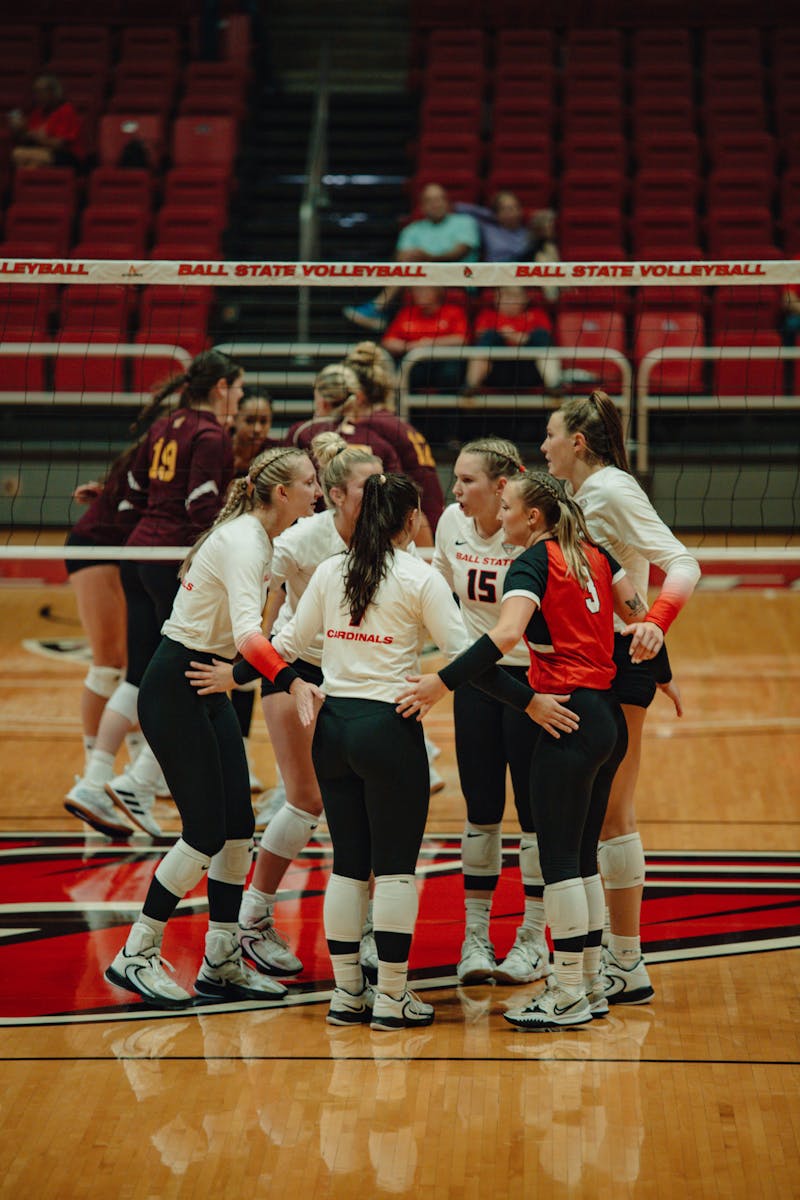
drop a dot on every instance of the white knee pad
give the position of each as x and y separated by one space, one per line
103 681
288 832
182 868
566 909
621 862
595 901
232 862
395 904
124 702
481 850
345 908
529 866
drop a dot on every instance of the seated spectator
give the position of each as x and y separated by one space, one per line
504 235
512 321
429 319
50 135
543 245
440 236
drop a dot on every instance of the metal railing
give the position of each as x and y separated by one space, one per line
86 350
316 159
646 403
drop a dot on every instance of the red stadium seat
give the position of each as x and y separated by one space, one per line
744 113
748 377
515 89
589 45
209 141
596 114
56 185
608 188
592 231
591 329
117 129
144 87
461 184
595 151
654 188
526 45
447 41
663 80
740 233
730 187
533 189
672 328
40 223
732 44
81 43
21 48
203 249
455 75
121 185
747 151
23 318
583 81
668 152
456 114
122 245
92 310
151 44
662 227
89 373
531 153
662 114
655 46
125 222
209 102
463 151
744 309
193 186
179 224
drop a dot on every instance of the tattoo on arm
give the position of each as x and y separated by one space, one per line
636 605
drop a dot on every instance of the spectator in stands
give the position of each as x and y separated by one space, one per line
440 236
791 314
543 245
50 135
504 234
509 319
428 318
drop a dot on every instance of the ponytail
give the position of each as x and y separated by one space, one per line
563 518
598 420
192 386
387 501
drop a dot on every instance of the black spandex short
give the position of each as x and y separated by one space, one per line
310 672
77 564
634 683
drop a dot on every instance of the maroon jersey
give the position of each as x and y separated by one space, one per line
179 478
110 518
571 635
415 458
303 433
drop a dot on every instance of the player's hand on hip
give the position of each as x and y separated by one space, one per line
548 711
208 678
647 638
421 696
308 699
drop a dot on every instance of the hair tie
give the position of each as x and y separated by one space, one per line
520 468
381 479
250 486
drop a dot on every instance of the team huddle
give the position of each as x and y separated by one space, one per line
536 600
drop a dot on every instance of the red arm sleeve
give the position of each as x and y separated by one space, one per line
261 654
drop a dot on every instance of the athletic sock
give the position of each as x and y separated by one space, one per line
392 978
626 950
478 914
256 905
100 770
347 972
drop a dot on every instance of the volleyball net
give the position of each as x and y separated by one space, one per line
698 355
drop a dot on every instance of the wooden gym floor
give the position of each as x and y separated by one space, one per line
696 1094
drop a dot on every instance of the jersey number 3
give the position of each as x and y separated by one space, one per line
165 460
592 600
482 585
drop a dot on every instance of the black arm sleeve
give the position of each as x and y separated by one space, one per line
245 672
660 667
481 656
502 686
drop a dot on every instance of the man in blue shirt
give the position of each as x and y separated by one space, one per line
440 236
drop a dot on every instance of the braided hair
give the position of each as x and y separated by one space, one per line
388 499
598 420
562 515
500 457
337 459
268 469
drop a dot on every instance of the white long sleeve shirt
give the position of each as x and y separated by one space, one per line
296 555
475 569
221 599
620 517
371 661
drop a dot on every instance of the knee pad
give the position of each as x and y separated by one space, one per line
232 862
288 832
395 904
529 866
103 681
566 909
124 702
182 868
595 901
621 862
345 908
481 850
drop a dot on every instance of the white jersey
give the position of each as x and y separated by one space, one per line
475 568
296 555
371 661
620 518
221 598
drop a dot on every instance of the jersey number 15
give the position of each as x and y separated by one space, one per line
482 585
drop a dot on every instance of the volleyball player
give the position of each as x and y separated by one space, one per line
335 394
473 554
217 612
372 410
372 605
177 481
560 594
585 446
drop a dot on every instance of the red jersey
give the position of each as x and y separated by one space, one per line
303 433
105 523
570 637
62 123
412 324
491 319
416 459
179 478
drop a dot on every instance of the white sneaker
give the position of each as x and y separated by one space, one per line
553 1009
477 964
527 960
224 976
135 801
596 996
368 953
408 1012
626 985
437 783
268 804
139 968
89 802
348 1008
267 949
